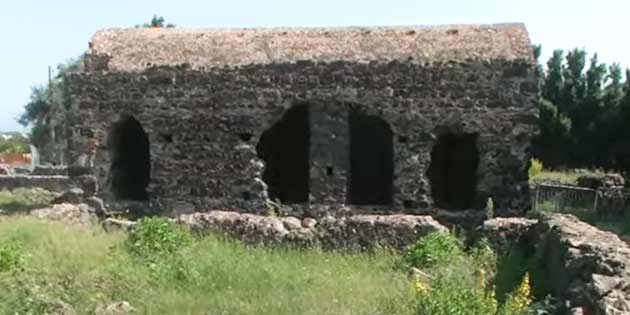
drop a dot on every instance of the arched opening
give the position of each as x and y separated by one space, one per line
131 163
453 171
371 160
285 149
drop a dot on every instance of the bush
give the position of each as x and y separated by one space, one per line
449 291
154 237
11 256
447 297
535 167
434 249
484 261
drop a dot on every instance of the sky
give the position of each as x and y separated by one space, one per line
38 34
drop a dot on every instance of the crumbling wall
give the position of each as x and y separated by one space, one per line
589 269
204 125
355 232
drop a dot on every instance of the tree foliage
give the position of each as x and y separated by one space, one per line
584 112
157 21
45 101
14 143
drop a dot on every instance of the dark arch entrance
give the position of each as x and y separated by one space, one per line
131 163
371 160
285 149
453 171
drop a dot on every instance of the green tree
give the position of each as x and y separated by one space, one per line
588 114
619 149
614 89
45 101
539 71
14 143
555 130
553 81
157 21
574 88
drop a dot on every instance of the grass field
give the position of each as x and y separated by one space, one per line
160 269
568 177
24 199
85 267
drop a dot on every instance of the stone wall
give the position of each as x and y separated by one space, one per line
354 232
203 125
51 183
589 269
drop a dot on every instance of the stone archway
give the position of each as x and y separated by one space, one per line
371 160
285 149
130 168
453 170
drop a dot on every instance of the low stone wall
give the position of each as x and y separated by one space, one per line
49 170
352 232
504 233
589 268
50 183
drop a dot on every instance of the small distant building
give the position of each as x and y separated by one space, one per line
15 159
384 119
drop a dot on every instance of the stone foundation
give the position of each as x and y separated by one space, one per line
54 183
357 232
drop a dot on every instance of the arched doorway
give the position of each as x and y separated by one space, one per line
453 171
371 160
130 160
285 149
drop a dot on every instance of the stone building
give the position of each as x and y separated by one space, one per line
383 119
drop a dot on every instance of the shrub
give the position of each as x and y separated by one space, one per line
448 296
449 293
434 249
152 237
484 260
535 167
11 256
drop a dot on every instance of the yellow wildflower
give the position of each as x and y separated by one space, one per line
418 285
520 300
523 293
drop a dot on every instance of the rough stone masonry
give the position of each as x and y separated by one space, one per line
382 119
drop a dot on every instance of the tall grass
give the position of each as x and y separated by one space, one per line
24 199
567 177
85 267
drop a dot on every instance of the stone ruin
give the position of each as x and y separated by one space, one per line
378 119
358 122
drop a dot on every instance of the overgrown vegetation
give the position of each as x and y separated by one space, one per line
161 269
561 177
24 199
473 282
153 238
85 267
